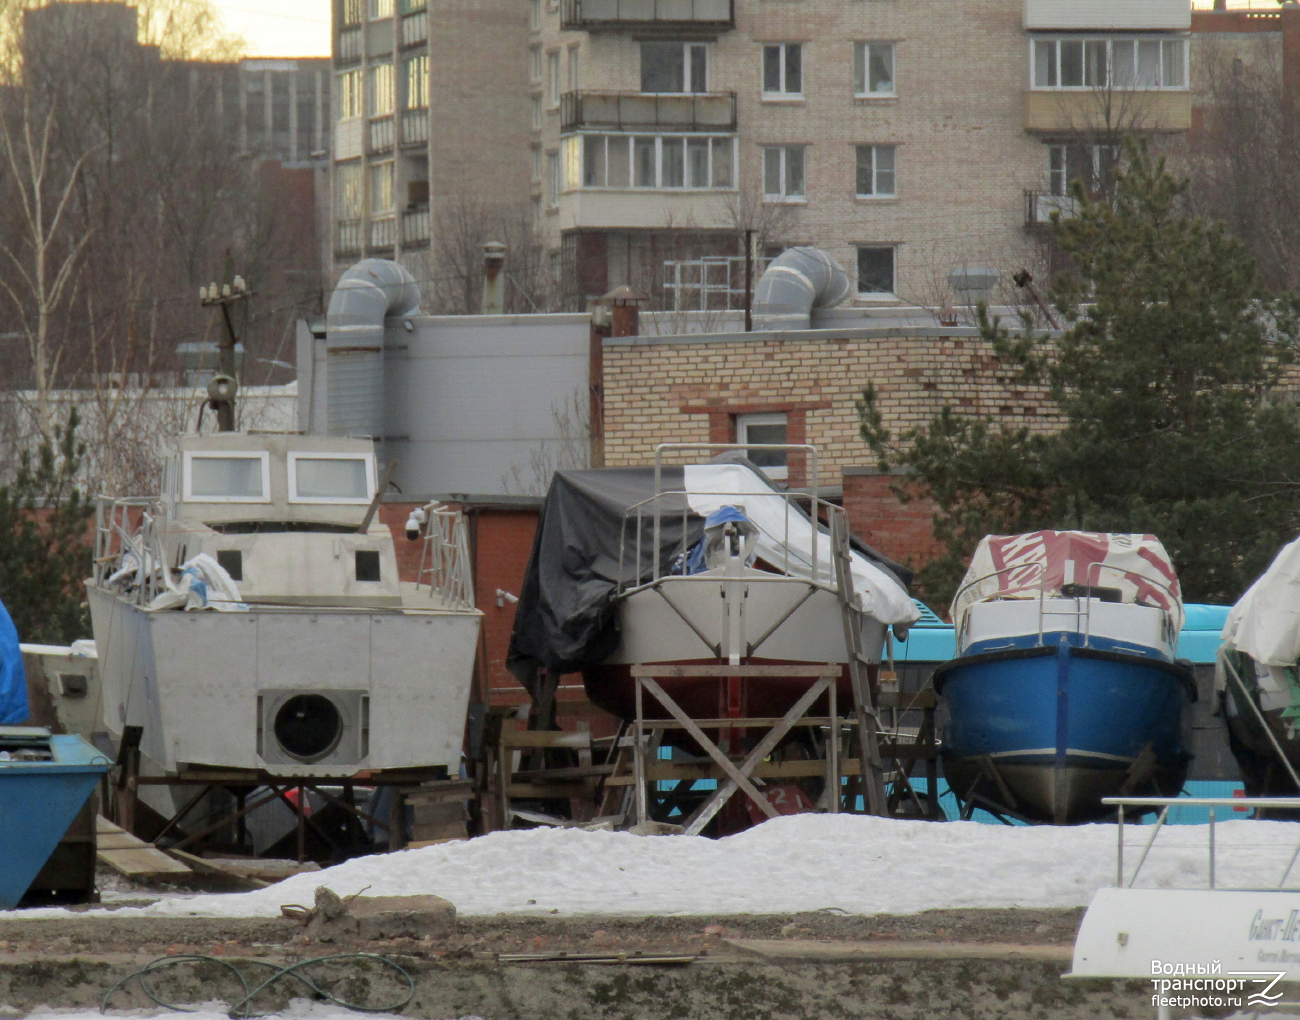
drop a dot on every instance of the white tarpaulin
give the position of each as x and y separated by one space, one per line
786 537
1022 566
1265 622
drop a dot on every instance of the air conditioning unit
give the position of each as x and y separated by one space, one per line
309 726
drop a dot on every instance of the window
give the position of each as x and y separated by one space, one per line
352 12
552 179
381 188
331 478
367 565
535 15
417 82
876 269
873 69
537 162
875 171
227 477
674 67
1128 62
232 562
553 78
537 113
350 94
783 173
1093 165
380 9
764 428
535 63
697 162
382 97
349 190
573 68
782 70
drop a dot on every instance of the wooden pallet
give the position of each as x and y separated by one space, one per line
134 858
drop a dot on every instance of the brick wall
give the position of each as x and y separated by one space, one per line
902 531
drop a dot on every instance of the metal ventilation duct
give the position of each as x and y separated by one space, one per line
369 292
798 281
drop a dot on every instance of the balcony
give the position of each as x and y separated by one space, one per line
349 45
1108 15
669 15
415 227
1117 111
383 232
415 127
636 111
415 28
349 239
1039 208
381 134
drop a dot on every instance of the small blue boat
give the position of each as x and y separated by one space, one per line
1065 688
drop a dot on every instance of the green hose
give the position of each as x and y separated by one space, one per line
241 1008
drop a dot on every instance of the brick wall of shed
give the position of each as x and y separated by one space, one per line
903 531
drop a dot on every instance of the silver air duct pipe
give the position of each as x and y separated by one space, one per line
369 292
798 281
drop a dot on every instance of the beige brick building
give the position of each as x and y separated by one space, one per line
907 138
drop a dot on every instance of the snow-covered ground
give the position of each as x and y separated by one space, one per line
847 863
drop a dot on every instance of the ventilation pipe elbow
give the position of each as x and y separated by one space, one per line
797 282
366 294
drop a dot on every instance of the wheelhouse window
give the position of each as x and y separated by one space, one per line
783 71
1125 62
331 478
691 162
783 173
873 69
227 477
765 428
674 67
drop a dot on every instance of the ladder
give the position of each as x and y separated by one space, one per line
873 772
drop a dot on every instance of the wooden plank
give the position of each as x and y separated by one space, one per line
133 857
901 700
544 738
830 669
547 791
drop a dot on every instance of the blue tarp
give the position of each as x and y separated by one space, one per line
13 679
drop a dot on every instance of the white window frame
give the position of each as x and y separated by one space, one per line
744 421
383 90
352 102
535 62
191 455
575 67
714 143
1109 41
862 64
536 103
858 281
535 15
554 82
875 194
782 94
371 481
554 179
686 48
784 194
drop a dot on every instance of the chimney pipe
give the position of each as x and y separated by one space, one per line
625 320
494 280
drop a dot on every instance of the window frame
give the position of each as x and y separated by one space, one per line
862 63
893 264
776 473
554 179
415 71
554 79
371 477
782 94
784 195
686 47
536 63
187 474
875 195
713 144
1087 39
352 94
383 90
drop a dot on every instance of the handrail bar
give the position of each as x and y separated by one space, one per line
1266 802
1041 568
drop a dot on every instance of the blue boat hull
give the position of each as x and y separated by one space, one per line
1046 732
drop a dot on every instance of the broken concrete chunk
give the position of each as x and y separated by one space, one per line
381 917
656 829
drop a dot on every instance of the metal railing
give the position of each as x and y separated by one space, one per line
415 126
587 14
1165 803
415 28
350 44
671 111
349 237
128 548
1040 205
711 283
383 232
444 557
381 133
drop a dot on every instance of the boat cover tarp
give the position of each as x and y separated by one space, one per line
565 619
14 709
1019 566
1265 622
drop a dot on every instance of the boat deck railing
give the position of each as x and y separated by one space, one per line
1038 585
126 537
640 562
1165 803
444 557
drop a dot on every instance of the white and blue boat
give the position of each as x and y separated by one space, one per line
1065 687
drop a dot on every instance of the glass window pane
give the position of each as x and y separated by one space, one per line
644 159
1094 71
226 476
593 161
884 169
875 270
860 68
1071 62
1174 75
722 162
771 171
866 176
697 163
773 433
1078 165
619 165
793 68
1148 63
330 478
699 68
661 67
1122 64
1056 169
794 172
674 168
882 67
1045 63
771 68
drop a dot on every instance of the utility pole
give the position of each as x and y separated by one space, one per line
222 387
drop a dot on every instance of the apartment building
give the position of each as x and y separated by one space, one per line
908 139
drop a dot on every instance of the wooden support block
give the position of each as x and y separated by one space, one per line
546 791
545 738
